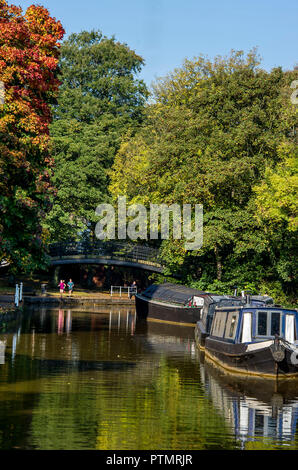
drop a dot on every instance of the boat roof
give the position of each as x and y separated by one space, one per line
257 307
178 294
264 299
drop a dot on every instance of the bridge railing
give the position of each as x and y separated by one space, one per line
110 249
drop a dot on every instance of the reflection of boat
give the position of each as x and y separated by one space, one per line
166 338
176 303
251 339
253 407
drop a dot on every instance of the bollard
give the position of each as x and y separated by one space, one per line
16 298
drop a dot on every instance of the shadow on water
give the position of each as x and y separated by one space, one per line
32 369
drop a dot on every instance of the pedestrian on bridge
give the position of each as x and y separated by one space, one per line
133 289
70 285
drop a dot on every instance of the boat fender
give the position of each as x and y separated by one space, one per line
277 350
278 356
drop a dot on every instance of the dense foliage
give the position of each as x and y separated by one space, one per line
29 51
221 133
100 100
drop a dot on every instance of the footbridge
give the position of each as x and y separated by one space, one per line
106 252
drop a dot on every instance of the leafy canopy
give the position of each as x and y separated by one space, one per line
216 131
100 100
29 53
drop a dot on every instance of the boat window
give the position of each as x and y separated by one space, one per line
247 327
232 325
262 323
219 324
198 301
268 323
215 325
290 328
275 323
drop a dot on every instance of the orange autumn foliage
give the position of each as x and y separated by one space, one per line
29 55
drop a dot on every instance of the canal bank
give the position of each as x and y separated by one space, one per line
8 311
53 301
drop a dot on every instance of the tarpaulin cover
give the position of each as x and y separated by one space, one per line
181 295
172 293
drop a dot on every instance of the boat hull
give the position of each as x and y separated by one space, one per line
149 309
200 335
256 360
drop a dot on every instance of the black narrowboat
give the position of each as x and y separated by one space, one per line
173 303
252 339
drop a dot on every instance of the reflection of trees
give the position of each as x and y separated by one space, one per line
167 413
123 411
14 420
105 383
104 387
65 419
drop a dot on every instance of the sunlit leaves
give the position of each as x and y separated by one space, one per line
29 54
215 132
100 100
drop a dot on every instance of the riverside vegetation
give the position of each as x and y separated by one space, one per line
221 132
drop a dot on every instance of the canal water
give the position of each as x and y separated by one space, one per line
100 379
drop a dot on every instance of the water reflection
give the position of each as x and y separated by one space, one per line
255 409
2 352
98 378
162 337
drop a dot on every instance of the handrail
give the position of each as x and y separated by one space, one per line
110 249
130 290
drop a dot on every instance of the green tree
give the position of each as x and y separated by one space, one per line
100 100
214 128
277 192
277 209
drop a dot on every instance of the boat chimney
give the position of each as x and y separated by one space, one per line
248 298
235 291
243 294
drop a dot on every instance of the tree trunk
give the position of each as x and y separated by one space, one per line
218 263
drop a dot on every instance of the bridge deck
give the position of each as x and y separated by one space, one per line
109 253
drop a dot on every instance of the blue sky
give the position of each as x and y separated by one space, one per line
164 32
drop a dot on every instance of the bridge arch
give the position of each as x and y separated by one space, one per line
107 253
